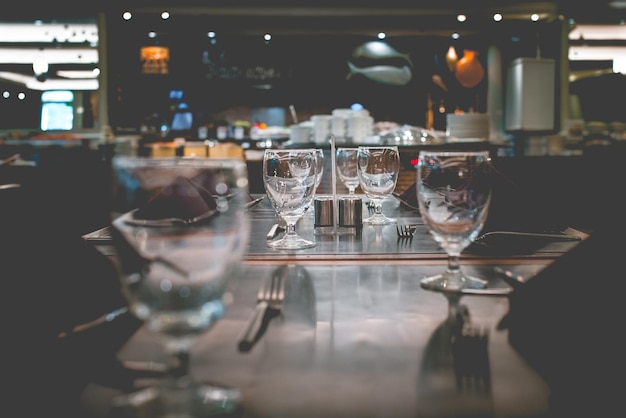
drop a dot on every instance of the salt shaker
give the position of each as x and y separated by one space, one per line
324 215
350 215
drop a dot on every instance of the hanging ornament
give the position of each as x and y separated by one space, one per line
451 59
469 70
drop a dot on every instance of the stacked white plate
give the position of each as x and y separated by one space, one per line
467 126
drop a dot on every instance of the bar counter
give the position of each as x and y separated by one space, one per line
359 337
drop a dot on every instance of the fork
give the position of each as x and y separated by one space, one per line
270 300
405 231
471 359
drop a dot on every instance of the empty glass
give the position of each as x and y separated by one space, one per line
378 169
347 167
180 239
289 177
453 193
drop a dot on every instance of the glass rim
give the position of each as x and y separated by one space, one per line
378 147
292 150
453 153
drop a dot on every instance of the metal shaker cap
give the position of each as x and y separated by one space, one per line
324 213
350 211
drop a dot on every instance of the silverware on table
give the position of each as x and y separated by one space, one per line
406 231
499 235
254 202
471 359
278 227
269 301
274 230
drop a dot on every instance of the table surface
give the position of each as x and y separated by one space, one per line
358 336
377 242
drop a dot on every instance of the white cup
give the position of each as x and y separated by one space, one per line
300 134
321 128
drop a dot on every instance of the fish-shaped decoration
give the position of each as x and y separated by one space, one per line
384 74
382 63
379 50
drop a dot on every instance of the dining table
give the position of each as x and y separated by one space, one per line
357 336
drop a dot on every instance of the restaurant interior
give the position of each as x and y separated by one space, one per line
538 85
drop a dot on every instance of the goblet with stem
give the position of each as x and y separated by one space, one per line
289 177
180 238
453 194
346 161
378 169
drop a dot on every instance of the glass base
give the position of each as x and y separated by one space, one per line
444 283
291 243
178 399
379 220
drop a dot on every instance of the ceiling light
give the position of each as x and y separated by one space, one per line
78 74
49 55
596 53
598 32
49 32
50 84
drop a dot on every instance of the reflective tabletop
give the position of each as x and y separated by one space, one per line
379 242
362 341
358 337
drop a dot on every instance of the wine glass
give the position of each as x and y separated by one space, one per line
346 161
180 238
289 177
378 169
453 194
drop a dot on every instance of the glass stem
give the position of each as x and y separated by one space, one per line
378 209
290 230
454 264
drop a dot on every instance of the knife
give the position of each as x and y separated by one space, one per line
274 230
254 202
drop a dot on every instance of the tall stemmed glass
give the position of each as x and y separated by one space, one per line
289 177
180 238
347 171
453 194
378 169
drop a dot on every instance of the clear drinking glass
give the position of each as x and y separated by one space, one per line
180 238
347 167
453 194
289 177
378 169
